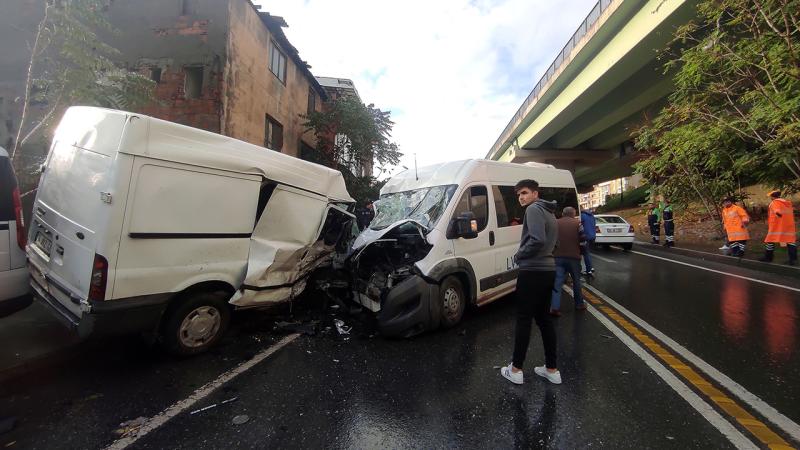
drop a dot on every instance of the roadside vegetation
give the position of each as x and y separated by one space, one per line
734 118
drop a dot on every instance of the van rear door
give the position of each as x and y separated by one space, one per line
74 203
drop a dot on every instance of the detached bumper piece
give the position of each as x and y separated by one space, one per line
410 308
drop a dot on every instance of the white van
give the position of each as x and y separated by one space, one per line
444 237
142 225
13 273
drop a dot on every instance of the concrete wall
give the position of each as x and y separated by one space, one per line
252 91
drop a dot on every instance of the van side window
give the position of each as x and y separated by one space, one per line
509 211
263 198
476 200
563 196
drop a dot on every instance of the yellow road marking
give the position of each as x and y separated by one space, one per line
756 427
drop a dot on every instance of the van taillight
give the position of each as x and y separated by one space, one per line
97 285
22 237
630 229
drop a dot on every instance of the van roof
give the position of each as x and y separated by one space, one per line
467 170
180 143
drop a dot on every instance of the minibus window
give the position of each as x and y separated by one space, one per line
476 200
563 197
509 211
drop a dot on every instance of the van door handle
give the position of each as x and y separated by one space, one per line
491 238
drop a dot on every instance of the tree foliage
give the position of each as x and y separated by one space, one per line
350 136
71 63
734 117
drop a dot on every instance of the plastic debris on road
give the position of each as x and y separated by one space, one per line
341 327
241 419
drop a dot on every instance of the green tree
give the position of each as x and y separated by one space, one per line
350 136
71 64
734 117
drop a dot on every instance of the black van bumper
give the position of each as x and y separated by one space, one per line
410 308
124 316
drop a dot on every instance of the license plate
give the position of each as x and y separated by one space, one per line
43 242
615 230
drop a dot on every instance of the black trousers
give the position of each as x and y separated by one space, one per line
534 291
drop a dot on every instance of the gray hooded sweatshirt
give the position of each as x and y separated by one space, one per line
539 237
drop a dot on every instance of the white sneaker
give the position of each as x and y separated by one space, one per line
508 374
553 377
724 247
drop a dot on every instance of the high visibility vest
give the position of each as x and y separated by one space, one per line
734 218
781 222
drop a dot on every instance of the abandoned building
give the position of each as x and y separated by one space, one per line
219 65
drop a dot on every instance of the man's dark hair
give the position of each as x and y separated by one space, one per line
775 194
530 184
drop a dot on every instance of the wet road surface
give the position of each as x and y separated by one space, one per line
441 389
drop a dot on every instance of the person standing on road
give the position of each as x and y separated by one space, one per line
654 221
780 220
537 273
568 259
589 223
735 220
669 224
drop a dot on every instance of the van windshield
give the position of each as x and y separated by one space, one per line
424 205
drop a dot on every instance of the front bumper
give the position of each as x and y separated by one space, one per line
410 308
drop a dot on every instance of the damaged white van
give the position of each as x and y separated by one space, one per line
444 237
143 225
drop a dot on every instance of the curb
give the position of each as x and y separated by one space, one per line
777 269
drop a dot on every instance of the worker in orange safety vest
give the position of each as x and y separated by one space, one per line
735 220
781 230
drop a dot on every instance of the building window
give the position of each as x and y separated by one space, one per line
273 134
155 74
312 100
277 61
193 82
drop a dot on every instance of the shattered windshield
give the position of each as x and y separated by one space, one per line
424 205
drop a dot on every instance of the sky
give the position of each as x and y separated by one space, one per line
452 72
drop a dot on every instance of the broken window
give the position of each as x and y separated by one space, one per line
273 134
155 74
312 100
277 61
193 82
424 205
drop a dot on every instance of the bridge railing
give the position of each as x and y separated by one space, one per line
562 56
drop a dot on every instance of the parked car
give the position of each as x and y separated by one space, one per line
444 237
142 225
13 272
612 229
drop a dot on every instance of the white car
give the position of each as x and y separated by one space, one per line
611 229
13 271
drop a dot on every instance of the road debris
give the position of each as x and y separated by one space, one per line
213 405
607 336
341 327
241 419
130 427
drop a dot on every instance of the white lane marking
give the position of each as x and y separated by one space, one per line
201 393
719 271
594 255
707 411
773 415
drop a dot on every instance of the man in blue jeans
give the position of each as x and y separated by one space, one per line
568 259
589 225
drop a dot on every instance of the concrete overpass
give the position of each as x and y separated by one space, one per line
606 79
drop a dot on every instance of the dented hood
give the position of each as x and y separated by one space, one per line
368 236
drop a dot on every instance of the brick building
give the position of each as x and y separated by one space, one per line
220 65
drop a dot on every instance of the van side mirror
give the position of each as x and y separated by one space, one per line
464 226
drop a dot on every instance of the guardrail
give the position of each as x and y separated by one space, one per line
587 23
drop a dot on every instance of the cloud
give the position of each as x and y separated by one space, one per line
453 72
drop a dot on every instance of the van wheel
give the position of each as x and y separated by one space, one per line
196 323
451 295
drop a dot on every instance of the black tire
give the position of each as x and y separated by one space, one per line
453 301
208 314
627 247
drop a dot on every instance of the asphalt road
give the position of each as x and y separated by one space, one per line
628 382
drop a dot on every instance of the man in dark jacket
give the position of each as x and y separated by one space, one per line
568 259
589 224
534 282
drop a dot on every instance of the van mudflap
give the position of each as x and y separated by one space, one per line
410 308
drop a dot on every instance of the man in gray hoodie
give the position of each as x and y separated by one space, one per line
537 273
